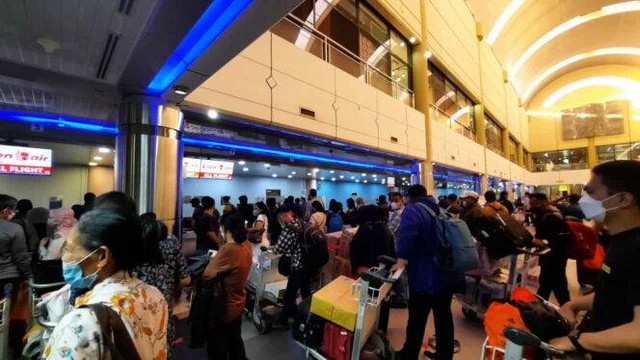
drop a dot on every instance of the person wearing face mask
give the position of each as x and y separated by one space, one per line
611 198
231 264
551 231
15 263
64 220
99 256
259 232
471 212
401 287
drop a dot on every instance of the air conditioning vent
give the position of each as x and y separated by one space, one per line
107 54
308 113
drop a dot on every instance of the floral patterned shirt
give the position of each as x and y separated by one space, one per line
142 308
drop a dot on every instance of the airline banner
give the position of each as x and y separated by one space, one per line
18 160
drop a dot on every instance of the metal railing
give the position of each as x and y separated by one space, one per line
305 37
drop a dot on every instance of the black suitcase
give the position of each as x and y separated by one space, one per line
308 328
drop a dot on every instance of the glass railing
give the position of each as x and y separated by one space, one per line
441 117
560 167
303 36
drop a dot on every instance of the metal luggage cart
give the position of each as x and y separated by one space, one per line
5 313
517 340
369 290
518 268
263 306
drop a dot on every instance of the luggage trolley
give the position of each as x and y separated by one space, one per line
369 291
517 339
474 302
263 286
5 311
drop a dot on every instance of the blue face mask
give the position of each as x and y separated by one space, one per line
72 273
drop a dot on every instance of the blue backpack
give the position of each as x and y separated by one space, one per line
456 250
335 223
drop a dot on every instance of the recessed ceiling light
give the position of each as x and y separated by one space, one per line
245 169
428 54
404 178
274 175
289 176
402 43
97 158
241 162
353 177
93 164
322 178
180 90
365 181
375 175
332 171
316 170
333 179
341 176
104 150
412 39
363 174
212 114
267 165
357 180
308 174
293 173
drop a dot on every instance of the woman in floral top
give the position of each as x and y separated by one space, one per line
98 257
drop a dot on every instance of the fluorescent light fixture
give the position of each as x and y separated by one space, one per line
241 162
289 176
93 164
322 178
308 174
267 165
180 90
631 87
357 180
252 148
364 181
566 62
503 19
412 39
213 21
332 171
274 175
59 121
375 175
316 170
363 174
97 158
353 177
333 179
293 173
568 25
341 176
104 150
245 169
212 114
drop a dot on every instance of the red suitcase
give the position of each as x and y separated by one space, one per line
337 342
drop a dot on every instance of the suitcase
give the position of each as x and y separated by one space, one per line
489 291
337 342
307 328
470 290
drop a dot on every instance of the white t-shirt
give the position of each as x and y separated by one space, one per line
265 239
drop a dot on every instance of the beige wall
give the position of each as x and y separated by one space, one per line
404 15
68 182
100 179
345 107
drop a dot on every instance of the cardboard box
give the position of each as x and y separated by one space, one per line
323 301
345 312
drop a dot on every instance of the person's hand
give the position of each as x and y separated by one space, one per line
400 264
563 344
538 243
568 313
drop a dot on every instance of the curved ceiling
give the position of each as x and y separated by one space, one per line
545 40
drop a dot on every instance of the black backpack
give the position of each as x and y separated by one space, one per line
313 247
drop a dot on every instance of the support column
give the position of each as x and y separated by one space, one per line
520 155
422 95
592 153
149 156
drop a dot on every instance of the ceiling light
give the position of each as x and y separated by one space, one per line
97 158
402 43
267 165
212 114
93 164
332 171
631 87
308 174
341 176
357 180
566 62
503 19
104 150
404 178
365 181
363 174
428 54
289 176
180 90
333 179
375 175
412 39
353 177
274 175
322 178
241 162
570 24
293 173
245 169
316 170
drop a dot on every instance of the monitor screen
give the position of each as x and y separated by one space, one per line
190 168
216 169
18 160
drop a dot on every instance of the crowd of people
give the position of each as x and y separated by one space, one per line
127 267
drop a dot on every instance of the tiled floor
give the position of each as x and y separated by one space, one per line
279 345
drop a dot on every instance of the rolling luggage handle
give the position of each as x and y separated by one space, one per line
376 277
517 339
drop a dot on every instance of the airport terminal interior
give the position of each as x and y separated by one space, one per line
340 101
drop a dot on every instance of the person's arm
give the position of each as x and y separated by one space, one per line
222 262
409 231
19 253
213 231
573 307
258 226
182 271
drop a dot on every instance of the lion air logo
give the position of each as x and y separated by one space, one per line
22 156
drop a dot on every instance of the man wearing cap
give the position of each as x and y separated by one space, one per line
472 212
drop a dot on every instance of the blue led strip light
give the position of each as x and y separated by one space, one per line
63 122
266 150
218 16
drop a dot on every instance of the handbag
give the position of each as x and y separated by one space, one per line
284 265
114 333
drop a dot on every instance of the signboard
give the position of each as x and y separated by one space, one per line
20 160
190 167
391 181
215 169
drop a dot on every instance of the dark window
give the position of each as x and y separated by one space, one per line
513 150
450 105
493 133
526 163
628 151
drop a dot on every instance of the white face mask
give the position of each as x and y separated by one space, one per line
593 209
394 206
